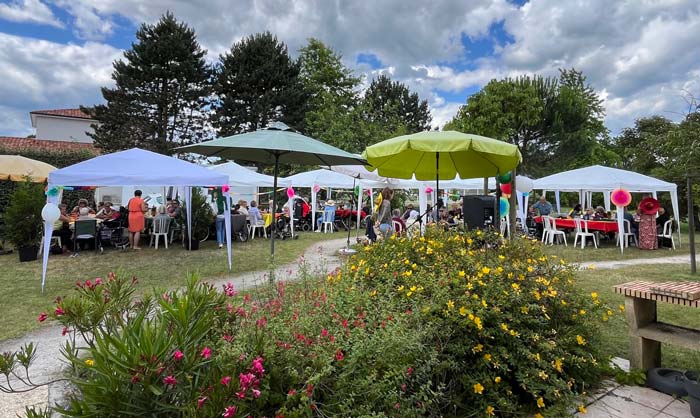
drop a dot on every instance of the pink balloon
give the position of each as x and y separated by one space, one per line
225 188
316 188
428 189
290 192
620 197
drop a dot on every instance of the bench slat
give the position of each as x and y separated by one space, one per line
671 334
643 290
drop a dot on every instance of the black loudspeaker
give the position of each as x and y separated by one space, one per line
478 211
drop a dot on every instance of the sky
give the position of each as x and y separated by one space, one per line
641 56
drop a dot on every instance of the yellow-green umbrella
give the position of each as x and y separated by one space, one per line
441 155
18 168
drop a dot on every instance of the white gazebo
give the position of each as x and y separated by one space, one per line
130 168
599 179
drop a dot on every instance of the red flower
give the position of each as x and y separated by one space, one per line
59 311
200 402
339 355
226 380
98 281
291 392
135 378
309 390
206 352
229 412
64 331
169 380
409 372
178 355
229 290
240 395
43 316
227 337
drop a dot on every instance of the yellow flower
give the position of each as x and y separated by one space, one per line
622 308
485 270
483 303
477 322
489 410
90 362
400 289
478 388
497 379
504 327
414 266
413 288
582 312
515 287
450 304
557 365
487 357
373 293
582 409
463 311
594 295
478 348
591 266
501 257
543 375
538 415
540 402
530 269
580 340
408 294
462 273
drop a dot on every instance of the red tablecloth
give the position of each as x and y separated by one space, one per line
602 226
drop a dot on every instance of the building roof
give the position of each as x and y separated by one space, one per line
11 143
63 113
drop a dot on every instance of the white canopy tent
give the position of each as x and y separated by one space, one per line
600 179
129 168
241 176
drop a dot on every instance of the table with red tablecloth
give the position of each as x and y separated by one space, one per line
602 226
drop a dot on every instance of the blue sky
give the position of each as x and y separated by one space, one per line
641 56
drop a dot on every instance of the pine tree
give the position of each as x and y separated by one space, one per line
257 83
392 105
161 95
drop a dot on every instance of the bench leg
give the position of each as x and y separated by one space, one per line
644 353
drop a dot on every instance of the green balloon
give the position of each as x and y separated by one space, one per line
504 178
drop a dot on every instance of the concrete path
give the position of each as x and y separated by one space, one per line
319 258
674 259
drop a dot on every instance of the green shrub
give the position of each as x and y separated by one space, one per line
23 222
442 326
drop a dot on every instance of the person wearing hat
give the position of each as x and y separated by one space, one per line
648 208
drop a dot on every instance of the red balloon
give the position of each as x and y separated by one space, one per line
506 188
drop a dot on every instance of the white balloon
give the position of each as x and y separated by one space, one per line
523 184
50 213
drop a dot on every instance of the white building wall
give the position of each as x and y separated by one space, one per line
63 129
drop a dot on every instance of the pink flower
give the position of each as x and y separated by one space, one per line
43 316
258 366
169 380
324 332
229 412
59 311
229 290
240 395
200 402
135 378
339 355
64 331
98 281
226 380
227 337
88 283
206 352
178 355
409 372
256 393
262 322
246 380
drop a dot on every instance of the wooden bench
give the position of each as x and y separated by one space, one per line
646 333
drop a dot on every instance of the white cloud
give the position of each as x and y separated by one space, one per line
40 74
32 11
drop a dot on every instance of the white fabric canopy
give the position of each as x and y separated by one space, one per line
602 179
134 167
241 176
328 178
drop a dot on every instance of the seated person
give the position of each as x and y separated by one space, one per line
396 217
576 212
634 225
600 213
236 209
254 215
61 228
243 207
589 214
407 212
176 210
330 206
162 213
456 210
84 214
662 219
107 213
82 203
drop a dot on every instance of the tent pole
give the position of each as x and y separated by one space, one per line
512 209
436 213
691 226
347 245
273 209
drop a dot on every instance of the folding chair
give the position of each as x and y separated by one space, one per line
86 230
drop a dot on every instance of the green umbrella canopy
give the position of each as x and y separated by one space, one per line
468 155
277 140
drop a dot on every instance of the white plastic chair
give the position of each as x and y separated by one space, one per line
667 232
396 227
546 227
505 225
328 219
161 228
254 225
582 232
627 234
554 232
53 238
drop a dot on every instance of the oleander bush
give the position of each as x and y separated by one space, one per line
449 325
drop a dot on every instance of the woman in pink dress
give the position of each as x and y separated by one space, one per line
137 207
647 223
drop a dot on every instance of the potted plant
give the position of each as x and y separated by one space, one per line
23 222
692 386
202 218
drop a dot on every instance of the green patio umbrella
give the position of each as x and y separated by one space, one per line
441 155
277 143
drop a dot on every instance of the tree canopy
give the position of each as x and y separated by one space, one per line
161 93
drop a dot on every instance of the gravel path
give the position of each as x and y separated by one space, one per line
319 258
676 259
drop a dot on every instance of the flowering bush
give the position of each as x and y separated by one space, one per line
446 325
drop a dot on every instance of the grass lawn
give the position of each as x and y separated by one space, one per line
608 251
22 301
615 331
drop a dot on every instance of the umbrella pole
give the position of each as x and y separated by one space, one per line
273 209
436 212
347 245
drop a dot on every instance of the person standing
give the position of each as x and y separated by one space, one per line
137 208
647 223
384 215
544 207
220 203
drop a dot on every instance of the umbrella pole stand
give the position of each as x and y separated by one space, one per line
273 211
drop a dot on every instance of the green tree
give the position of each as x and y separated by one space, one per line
556 123
637 146
161 95
256 83
392 105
